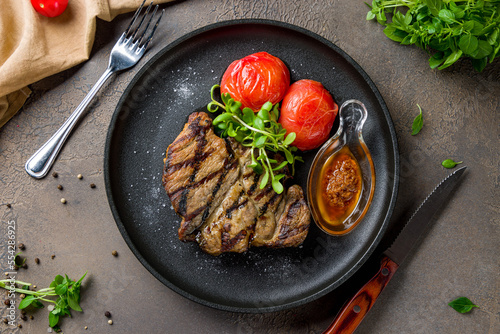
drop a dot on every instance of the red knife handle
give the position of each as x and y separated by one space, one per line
354 311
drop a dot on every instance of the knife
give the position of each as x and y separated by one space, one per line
353 312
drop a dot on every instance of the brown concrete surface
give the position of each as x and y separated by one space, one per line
459 255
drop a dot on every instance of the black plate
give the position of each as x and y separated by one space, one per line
152 112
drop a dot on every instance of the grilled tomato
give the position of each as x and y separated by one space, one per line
309 110
256 79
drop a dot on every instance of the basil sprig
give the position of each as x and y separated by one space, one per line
66 290
259 131
447 30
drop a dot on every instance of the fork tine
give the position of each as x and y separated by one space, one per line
150 37
142 20
137 12
139 40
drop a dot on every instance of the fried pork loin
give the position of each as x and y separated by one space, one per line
218 197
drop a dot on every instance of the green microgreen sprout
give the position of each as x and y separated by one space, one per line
259 131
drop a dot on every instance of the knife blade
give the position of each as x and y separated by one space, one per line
353 312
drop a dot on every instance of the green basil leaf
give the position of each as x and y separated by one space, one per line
468 25
493 37
438 25
53 319
36 303
478 27
447 16
449 163
418 123
462 305
452 58
483 50
395 34
370 16
468 44
381 18
436 60
58 279
479 64
434 6
408 18
61 289
73 303
26 302
422 15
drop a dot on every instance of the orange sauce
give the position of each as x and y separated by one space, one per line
340 189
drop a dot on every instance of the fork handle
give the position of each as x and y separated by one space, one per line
40 163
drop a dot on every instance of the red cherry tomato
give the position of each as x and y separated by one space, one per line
50 8
256 79
308 110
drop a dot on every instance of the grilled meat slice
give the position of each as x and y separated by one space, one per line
232 225
217 194
293 224
199 170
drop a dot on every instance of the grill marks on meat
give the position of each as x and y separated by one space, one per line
199 170
218 197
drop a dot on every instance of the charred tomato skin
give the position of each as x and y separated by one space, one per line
256 79
309 110
50 8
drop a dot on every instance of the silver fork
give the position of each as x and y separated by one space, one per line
127 51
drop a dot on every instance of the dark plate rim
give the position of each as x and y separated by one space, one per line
122 228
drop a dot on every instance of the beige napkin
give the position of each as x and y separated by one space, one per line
33 46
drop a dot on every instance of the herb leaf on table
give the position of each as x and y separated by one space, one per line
462 305
66 290
418 123
449 163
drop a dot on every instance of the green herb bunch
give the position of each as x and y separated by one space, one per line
446 29
260 131
66 290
